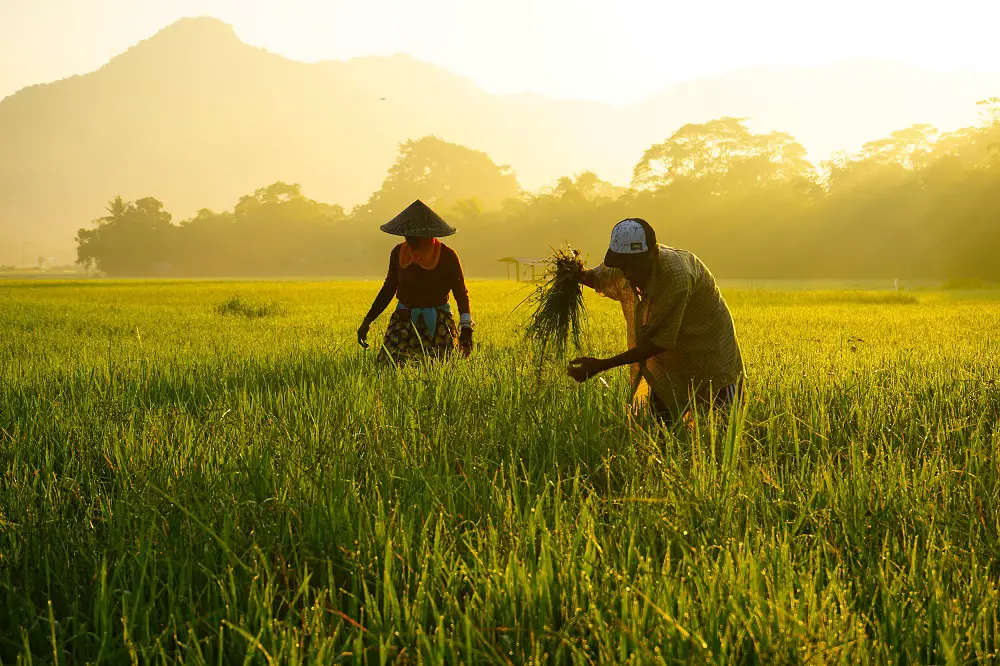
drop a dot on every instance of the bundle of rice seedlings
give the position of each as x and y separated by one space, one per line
558 312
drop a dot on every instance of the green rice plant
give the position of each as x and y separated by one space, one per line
557 306
222 493
237 306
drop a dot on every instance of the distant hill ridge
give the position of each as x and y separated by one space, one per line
197 118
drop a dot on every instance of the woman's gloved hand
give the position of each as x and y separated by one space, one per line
465 341
363 333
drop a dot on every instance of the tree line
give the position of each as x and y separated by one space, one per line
916 204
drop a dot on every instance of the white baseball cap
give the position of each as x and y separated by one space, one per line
627 238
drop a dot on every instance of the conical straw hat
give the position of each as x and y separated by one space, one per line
419 221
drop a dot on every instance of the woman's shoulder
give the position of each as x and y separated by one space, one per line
448 252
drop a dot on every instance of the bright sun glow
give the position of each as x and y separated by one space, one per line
615 51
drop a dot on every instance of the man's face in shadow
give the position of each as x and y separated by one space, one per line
636 267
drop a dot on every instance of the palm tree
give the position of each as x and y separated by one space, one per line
117 209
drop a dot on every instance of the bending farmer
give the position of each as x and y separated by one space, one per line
681 340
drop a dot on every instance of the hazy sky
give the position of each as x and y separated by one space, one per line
611 50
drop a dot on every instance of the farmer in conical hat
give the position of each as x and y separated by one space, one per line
423 271
682 343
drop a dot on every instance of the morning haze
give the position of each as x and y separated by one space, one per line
196 118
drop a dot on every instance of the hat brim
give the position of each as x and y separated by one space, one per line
621 261
418 221
417 233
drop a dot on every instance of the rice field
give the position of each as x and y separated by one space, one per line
211 472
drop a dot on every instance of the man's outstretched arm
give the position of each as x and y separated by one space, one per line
582 369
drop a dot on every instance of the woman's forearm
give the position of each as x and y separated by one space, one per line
389 287
381 302
459 289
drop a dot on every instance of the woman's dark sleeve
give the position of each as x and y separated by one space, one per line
459 289
388 290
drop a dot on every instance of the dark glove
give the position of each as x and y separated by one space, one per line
465 342
363 333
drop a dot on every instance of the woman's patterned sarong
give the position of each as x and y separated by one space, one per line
406 339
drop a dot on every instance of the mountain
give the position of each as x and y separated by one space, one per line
197 118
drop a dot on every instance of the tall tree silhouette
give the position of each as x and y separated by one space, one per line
134 238
441 174
722 153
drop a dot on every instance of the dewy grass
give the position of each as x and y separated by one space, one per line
557 306
223 493
240 307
